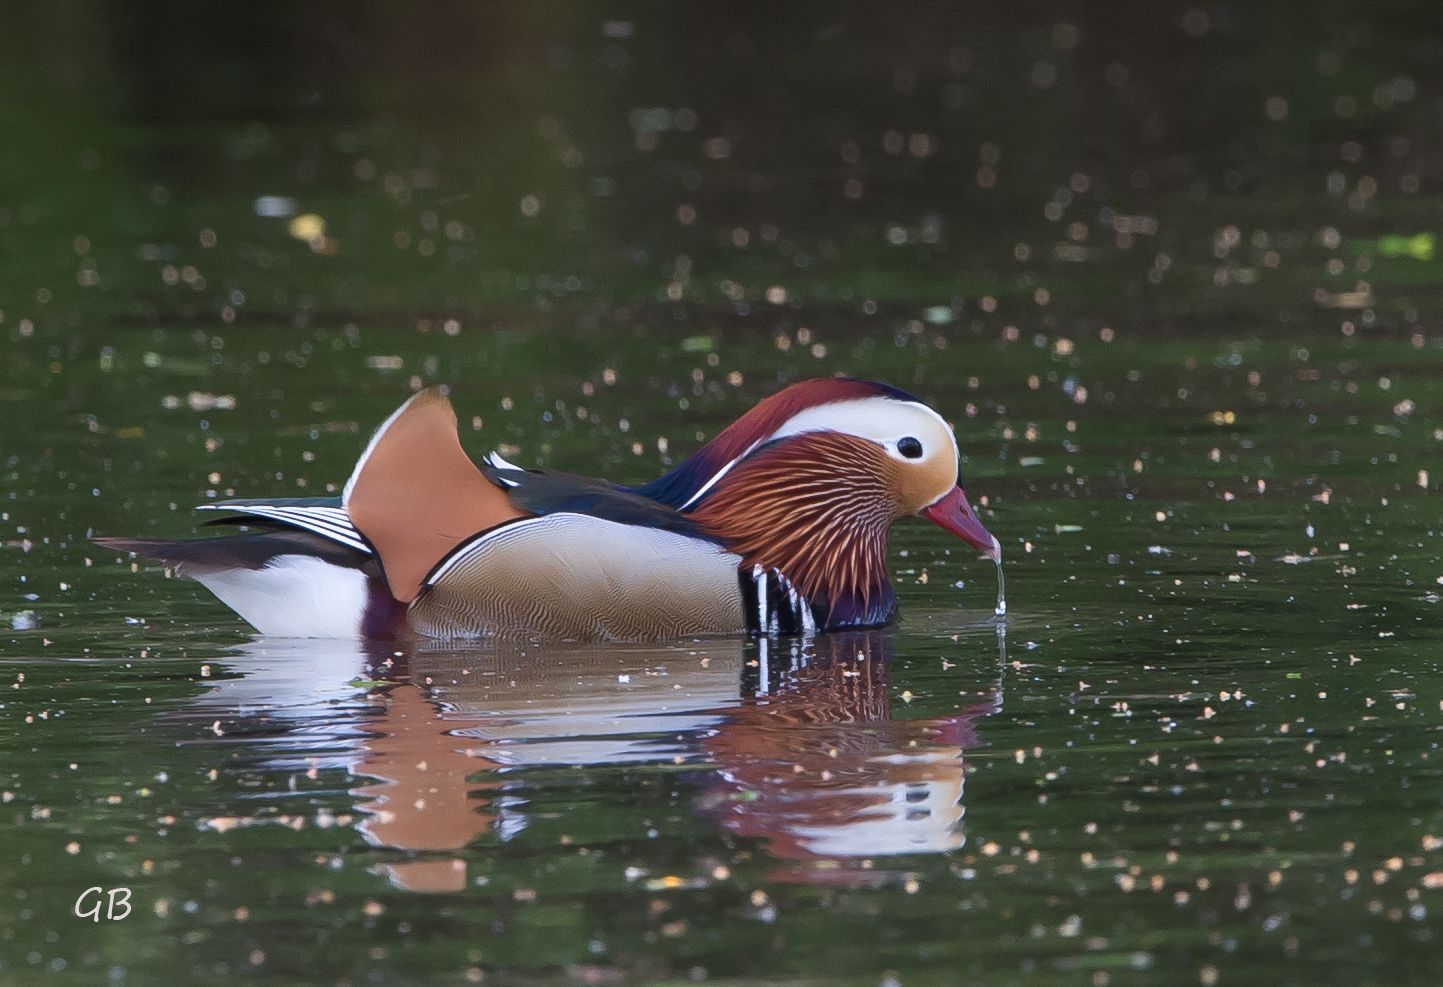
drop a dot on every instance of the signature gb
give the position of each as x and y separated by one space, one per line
119 898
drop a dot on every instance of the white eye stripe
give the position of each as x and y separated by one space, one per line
885 421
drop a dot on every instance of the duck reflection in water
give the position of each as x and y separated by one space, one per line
812 761
794 741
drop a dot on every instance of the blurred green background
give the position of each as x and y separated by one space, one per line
478 161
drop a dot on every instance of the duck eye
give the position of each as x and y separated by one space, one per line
909 447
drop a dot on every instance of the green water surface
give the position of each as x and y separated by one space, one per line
1169 271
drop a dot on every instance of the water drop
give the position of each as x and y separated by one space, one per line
1001 608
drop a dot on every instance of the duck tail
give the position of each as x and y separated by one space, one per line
284 582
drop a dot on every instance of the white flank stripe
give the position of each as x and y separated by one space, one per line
558 521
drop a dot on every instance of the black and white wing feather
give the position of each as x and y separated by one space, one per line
323 516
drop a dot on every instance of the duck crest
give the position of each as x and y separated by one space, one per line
684 485
809 516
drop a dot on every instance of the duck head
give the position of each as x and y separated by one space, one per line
807 484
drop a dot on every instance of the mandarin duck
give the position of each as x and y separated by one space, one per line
777 525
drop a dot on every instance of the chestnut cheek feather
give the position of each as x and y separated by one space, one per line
815 508
952 513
